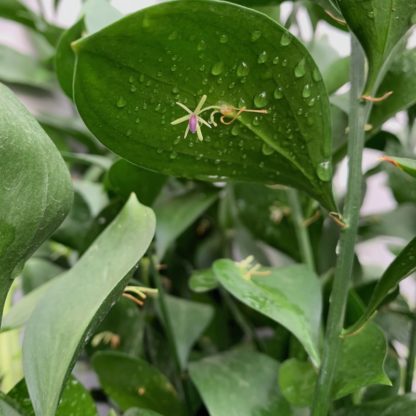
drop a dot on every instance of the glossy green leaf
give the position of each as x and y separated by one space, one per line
75 400
405 164
270 208
65 57
379 26
203 281
403 265
290 296
130 75
177 214
360 365
393 406
17 11
190 320
239 383
400 80
124 321
35 192
125 178
17 68
144 387
68 312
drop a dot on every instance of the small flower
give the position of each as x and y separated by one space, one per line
193 119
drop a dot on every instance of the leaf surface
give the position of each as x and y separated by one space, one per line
130 75
35 188
290 296
379 26
70 310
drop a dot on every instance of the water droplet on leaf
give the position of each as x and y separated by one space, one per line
267 150
260 100
300 69
286 39
324 171
121 102
255 35
306 91
217 68
262 58
223 39
242 69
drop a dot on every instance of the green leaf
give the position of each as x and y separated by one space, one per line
65 57
239 383
7 408
17 68
125 178
400 80
177 214
203 281
20 312
402 266
190 321
130 75
36 189
271 209
38 271
360 365
65 317
379 26
405 164
75 400
144 387
290 296
393 406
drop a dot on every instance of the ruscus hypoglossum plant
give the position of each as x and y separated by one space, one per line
173 238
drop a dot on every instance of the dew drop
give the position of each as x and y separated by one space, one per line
256 35
300 69
278 93
276 60
267 150
121 102
223 39
201 45
128 133
232 85
316 75
133 88
173 68
131 79
242 69
260 100
284 62
262 58
306 91
256 121
241 102
217 68
324 171
175 90
370 14
173 155
286 39
235 130
173 35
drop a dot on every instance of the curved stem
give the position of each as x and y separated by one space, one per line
301 230
359 112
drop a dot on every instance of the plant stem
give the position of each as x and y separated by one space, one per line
410 366
301 230
357 119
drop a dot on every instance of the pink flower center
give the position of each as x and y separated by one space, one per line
193 123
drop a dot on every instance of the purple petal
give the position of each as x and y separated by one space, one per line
193 123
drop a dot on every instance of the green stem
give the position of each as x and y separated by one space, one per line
410 366
301 230
357 119
169 331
